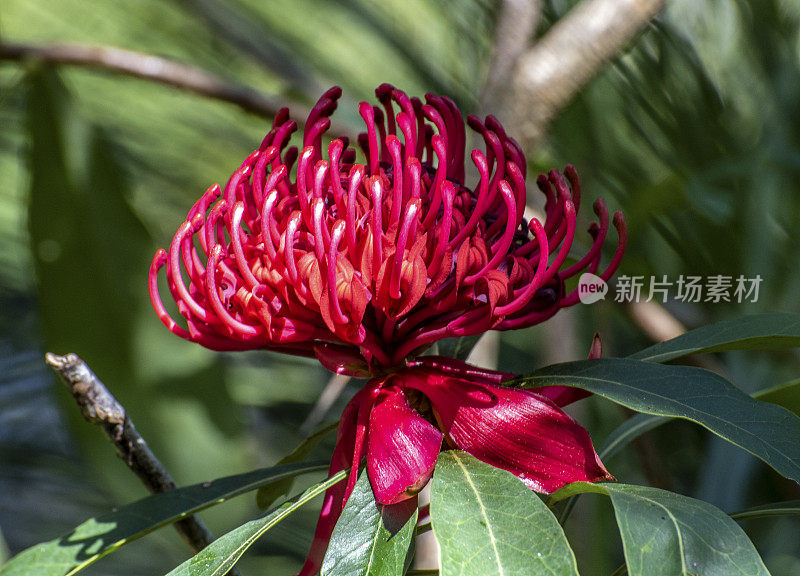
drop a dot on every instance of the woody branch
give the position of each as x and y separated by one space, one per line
98 406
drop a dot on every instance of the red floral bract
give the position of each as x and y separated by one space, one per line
365 265
399 423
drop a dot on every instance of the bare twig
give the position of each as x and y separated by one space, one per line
516 25
98 406
163 71
528 85
655 321
427 549
242 29
549 74
659 325
486 352
147 67
333 389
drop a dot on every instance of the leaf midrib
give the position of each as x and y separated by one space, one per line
675 522
483 512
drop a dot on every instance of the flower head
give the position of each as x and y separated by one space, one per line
366 264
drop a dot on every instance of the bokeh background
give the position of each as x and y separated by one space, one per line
693 130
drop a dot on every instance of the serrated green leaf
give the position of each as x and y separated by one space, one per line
766 430
487 522
757 332
221 555
268 493
666 534
371 539
100 536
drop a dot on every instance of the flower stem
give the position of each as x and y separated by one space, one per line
422 528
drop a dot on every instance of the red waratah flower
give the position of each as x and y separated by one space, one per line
308 265
366 265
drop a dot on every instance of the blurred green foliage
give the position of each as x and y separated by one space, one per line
694 132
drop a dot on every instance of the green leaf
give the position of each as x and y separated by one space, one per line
767 431
91 254
100 536
221 555
619 438
627 431
3 549
786 395
666 534
268 493
756 332
487 522
91 250
788 508
458 348
369 538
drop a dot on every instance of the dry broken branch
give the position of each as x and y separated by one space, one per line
98 406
